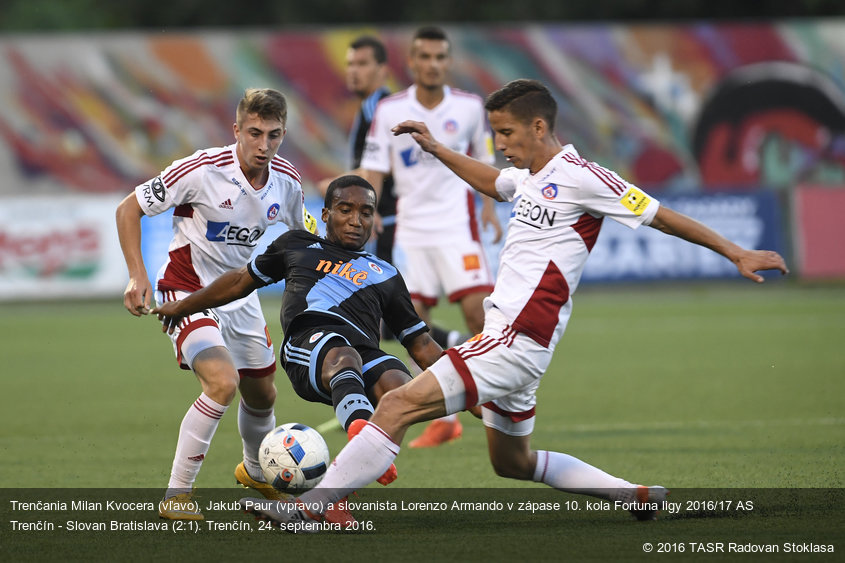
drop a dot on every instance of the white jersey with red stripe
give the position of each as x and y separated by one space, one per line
556 217
435 205
218 216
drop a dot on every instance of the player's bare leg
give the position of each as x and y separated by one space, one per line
512 457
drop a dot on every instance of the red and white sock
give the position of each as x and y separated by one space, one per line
363 460
570 474
195 435
253 425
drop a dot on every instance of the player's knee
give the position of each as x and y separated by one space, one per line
221 389
342 357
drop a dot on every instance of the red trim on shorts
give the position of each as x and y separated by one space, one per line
258 373
460 294
427 301
184 334
514 416
470 390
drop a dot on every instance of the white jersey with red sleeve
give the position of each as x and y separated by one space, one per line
435 205
218 216
555 222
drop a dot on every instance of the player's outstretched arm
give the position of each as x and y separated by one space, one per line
477 174
748 262
231 285
138 292
424 350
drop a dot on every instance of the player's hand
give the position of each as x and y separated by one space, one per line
752 261
137 295
419 132
169 315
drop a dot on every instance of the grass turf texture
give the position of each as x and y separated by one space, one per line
708 386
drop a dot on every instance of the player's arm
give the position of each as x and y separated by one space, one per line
138 293
231 285
477 174
424 350
746 261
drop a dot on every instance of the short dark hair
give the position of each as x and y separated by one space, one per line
264 102
433 33
524 99
379 52
345 182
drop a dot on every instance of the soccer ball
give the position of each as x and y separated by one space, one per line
293 457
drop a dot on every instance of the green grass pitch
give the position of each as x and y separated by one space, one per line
713 390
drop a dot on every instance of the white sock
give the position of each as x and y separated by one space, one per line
195 435
570 474
253 425
363 460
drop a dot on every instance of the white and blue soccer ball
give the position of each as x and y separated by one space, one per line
294 457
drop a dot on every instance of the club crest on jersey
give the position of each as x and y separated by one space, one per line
315 337
550 191
273 211
375 267
450 126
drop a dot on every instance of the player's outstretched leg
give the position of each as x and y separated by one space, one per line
567 473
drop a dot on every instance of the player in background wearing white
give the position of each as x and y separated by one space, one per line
436 224
366 75
560 200
224 200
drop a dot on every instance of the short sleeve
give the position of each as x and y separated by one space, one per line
507 182
604 193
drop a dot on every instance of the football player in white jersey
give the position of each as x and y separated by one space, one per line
559 200
436 224
224 199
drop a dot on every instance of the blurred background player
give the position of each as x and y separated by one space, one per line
366 75
560 200
335 297
224 200
436 224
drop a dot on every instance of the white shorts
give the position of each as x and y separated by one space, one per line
456 269
499 369
239 326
